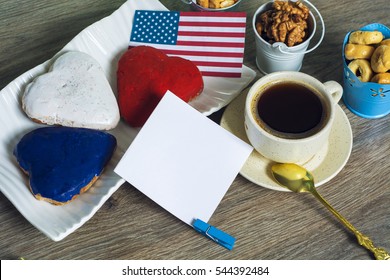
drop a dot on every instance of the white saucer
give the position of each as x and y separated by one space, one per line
324 166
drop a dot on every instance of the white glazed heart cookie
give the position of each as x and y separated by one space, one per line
74 93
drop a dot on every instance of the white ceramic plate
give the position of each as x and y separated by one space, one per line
324 166
105 40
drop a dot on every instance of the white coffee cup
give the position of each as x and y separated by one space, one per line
284 145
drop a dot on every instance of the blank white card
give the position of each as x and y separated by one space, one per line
183 160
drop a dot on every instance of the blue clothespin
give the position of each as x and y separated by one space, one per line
214 234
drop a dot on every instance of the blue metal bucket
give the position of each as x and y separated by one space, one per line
367 100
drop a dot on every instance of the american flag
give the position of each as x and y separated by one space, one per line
213 41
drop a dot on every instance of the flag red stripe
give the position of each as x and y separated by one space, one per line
212 34
221 74
201 53
213 24
211 44
217 64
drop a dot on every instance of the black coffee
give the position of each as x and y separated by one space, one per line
291 110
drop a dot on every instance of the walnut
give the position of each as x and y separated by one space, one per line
286 22
295 36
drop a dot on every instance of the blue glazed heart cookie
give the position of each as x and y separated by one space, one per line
63 162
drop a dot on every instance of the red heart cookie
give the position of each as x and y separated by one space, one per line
145 74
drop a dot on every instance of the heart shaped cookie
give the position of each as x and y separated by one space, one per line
75 93
145 74
63 162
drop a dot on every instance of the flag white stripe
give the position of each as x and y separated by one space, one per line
194 48
212 19
219 69
211 39
213 59
212 29
201 49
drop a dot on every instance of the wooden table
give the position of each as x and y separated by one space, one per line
267 224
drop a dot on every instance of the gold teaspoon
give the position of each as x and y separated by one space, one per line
298 179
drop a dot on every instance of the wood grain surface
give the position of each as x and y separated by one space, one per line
267 224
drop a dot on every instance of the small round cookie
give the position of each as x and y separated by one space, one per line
385 42
365 37
380 59
362 69
355 51
381 78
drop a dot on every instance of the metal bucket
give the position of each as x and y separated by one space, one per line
278 56
367 100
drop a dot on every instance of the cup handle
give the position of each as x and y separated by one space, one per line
334 89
